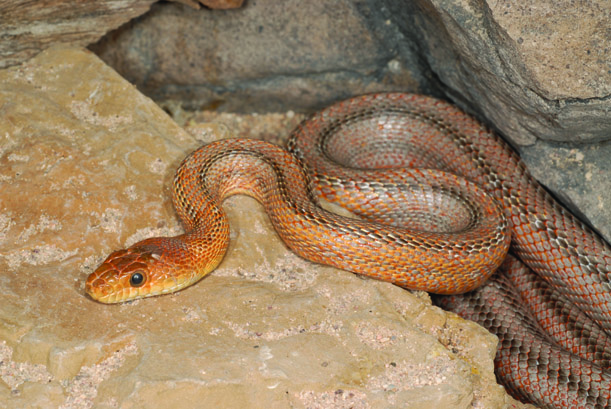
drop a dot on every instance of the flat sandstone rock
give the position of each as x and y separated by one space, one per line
85 167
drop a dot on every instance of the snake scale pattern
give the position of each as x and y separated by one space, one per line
421 229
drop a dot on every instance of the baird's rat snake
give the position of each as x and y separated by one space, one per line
421 229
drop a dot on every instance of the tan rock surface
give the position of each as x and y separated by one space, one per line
85 165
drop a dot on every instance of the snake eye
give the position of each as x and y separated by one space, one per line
137 279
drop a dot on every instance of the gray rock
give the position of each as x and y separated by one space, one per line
27 28
267 56
534 71
578 176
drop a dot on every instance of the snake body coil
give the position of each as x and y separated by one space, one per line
423 229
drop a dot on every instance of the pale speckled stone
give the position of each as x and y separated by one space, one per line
564 44
85 165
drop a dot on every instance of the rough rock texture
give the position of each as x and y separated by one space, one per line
266 56
85 165
28 27
222 4
538 72
579 176
213 4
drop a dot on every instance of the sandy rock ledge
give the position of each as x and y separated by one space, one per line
85 167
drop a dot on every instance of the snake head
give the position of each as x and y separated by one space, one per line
136 272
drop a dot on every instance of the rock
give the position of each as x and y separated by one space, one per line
213 4
86 162
579 176
262 57
533 71
27 28
222 4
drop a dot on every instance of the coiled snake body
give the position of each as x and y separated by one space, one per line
422 229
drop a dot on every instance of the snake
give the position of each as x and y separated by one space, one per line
439 200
